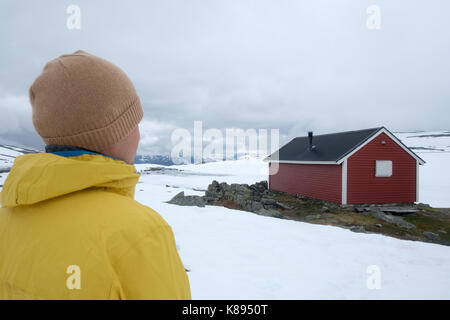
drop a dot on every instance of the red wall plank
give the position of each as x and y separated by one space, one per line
319 181
364 187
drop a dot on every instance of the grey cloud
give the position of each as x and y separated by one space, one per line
289 64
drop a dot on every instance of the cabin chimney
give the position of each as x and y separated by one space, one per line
310 139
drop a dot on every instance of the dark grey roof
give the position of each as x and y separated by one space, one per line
327 147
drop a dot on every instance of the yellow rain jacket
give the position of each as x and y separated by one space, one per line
71 229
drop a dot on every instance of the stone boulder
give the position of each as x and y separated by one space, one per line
431 235
398 221
181 200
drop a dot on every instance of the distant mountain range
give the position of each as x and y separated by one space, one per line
155 159
419 141
9 153
167 160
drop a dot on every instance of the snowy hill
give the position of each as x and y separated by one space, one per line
234 254
155 159
420 142
434 179
8 154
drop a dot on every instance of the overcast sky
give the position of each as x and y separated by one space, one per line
296 65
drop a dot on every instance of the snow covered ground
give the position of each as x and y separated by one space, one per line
8 154
233 254
434 178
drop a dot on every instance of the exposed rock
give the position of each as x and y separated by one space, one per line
283 206
420 204
391 208
264 184
182 200
312 217
249 197
333 205
398 221
255 206
269 213
400 210
359 229
431 235
268 200
258 199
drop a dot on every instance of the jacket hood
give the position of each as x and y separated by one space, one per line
42 176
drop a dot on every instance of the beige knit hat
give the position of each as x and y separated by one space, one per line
84 101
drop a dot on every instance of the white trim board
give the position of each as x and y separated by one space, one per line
304 162
417 181
344 158
344 182
390 135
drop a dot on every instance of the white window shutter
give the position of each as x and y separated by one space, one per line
383 168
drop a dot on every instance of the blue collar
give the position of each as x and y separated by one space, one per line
69 151
74 153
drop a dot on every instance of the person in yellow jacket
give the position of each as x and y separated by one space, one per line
69 225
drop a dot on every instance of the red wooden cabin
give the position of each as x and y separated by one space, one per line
369 166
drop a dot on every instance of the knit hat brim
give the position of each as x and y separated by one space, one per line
101 138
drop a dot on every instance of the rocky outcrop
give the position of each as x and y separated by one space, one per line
358 229
399 209
390 219
431 235
257 198
254 198
182 200
398 221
